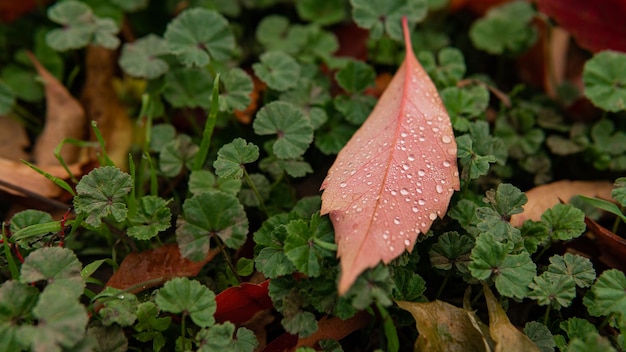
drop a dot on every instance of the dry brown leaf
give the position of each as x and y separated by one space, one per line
103 105
544 197
444 327
335 329
18 174
65 118
140 271
507 337
14 139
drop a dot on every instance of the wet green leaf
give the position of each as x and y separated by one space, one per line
182 295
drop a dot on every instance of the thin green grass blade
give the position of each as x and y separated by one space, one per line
208 127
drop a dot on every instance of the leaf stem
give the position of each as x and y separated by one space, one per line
228 259
15 273
443 285
254 189
325 245
546 316
209 126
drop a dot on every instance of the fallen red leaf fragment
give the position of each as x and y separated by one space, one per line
65 118
594 24
154 267
239 304
612 247
544 197
395 176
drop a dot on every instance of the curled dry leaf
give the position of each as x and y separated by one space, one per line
507 337
140 271
18 174
14 139
103 106
544 197
444 327
65 118
395 176
612 247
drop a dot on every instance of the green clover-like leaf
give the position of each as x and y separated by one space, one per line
449 69
604 77
540 335
177 154
153 215
506 199
56 265
270 239
141 58
575 266
204 180
275 34
198 35
65 320
451 250
511 273
505 28
118 307
209 214
564 222
188 87
302 244
619 190
355 76
106 33
294 131
355 108
551 289
7 98
17 299
78 23
384 16
27 218
609 292
279 70
237 88
322 12
232 157
464 104
189 296
100 193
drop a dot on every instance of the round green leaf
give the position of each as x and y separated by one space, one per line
555 290
209 214
141 58
237 88
188 87
152 216
204 180
55 265
274 33
322 12
564 221
604 77
279 70
610 292
100 193
385 16
294 131
355 76
189 296
78 23
197 35
232 157
176 154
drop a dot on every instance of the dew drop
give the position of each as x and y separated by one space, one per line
435 129
421 172
352 172
391 249
439 189
404 191
432 216
446 163
446 139
411 157
393 192
421 202
407 243
396 221
385 236
343 185
405 166
403 134
414 209
368 175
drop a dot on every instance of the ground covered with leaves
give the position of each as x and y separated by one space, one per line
162 165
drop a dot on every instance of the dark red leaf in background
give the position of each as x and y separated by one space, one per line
596 25
239 304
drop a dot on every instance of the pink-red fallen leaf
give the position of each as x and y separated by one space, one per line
395 176
596 25
239 304
140 271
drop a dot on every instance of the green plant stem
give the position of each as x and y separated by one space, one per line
606 321
182 330
105 157
15 273
443 285
326 245
254 189
546 316
228 259
209 126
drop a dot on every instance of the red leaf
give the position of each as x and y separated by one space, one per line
153 267
395 176
239 304
596 25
